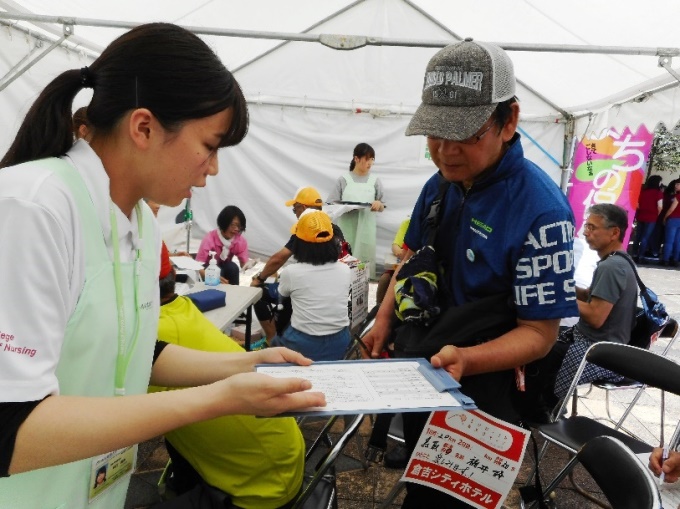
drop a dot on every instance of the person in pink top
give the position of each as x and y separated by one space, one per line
649 207
227 242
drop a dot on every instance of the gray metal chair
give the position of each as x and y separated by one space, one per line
319 490
671 331
617 471
574 432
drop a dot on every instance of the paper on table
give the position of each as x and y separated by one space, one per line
371 386
186 262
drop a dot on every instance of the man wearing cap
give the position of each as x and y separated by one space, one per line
305 198
504 227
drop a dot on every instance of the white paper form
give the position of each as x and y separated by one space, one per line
376 386
186 263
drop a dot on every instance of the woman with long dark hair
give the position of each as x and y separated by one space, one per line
79 293
359 186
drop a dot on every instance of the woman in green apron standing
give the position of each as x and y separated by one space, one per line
79 269
359 186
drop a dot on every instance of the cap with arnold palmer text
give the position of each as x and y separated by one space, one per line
314 226
307 196
464 82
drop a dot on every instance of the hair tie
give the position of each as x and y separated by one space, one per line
86 78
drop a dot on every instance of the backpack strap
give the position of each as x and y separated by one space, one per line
626 257
436 210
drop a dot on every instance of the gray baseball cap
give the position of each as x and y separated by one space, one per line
464 82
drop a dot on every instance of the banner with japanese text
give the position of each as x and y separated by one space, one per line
609 170
469 455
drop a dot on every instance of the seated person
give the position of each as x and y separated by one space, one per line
227 241
259 462
318 285
398 250
606 312
306 198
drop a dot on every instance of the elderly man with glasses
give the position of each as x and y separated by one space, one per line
503 228
606 313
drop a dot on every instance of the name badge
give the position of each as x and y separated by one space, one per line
110 468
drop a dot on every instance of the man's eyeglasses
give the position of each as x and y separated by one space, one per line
475 138
590 227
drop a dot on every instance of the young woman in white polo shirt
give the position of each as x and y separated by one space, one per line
79 271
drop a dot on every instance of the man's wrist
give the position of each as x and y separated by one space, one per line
259 277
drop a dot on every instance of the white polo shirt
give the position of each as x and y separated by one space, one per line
42 266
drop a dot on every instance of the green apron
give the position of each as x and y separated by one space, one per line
358 226
87 362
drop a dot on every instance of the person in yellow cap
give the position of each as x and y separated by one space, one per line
305 198
318 286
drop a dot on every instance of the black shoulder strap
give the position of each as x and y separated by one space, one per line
632 264
436 210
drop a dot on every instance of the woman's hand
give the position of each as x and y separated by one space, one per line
377 206
279 354
263 395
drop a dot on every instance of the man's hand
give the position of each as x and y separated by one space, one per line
375 339
670 467
451 359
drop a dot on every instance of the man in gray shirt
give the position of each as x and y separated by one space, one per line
606 312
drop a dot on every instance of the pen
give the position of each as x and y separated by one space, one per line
664 457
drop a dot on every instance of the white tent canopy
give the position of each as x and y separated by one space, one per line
582 67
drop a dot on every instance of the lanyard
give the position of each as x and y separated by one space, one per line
124 351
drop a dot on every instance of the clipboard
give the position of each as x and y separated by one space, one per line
376 386
345 202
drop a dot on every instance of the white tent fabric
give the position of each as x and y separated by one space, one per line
310 104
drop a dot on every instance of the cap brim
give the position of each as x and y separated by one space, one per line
290 202
449 122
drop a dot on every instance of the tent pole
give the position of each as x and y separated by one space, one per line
569 129
17 71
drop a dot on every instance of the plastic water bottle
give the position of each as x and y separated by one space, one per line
212 273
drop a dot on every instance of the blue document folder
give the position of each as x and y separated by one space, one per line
376 386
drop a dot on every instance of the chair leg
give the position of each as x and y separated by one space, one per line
360 443
394 493
586 494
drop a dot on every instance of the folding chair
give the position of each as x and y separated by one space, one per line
627 485
319 491
574 432
669 331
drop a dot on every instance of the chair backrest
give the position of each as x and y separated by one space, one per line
623 479
641 365
319 490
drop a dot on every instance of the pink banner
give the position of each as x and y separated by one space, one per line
609 170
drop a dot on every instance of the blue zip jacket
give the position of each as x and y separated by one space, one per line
511 232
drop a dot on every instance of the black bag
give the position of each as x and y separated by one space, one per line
651 318
471 324
416 288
